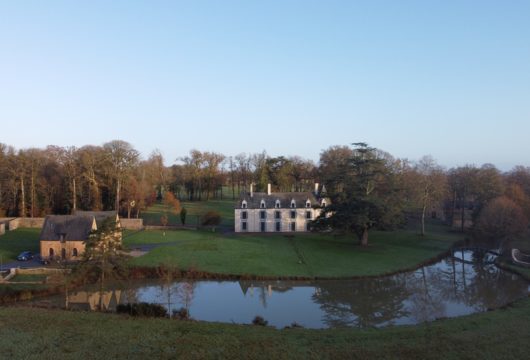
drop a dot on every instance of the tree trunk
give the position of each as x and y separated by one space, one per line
424 207
32 193
118 188
364 237
23 198
74 195
463 214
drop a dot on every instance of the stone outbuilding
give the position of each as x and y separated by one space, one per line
64 236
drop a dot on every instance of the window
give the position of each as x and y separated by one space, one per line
293 226
62 238
308 226
277 215
262 204
308 204
293 214
323 204
244 215
262 225
308 214
277 205
278 226
63 254
293 204
244 205
52 253
244 226
74 252
262 215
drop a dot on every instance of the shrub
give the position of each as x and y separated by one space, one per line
181 314
259 321
211 218
142 309
183 214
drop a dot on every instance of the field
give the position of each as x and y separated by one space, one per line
302 255
27 333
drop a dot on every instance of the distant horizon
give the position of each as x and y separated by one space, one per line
447 79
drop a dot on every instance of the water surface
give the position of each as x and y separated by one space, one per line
461 285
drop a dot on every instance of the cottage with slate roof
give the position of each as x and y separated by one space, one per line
278 212
64 236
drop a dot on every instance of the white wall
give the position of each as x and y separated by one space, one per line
254 221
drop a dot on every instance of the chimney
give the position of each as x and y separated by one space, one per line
269 189
251 190
316 188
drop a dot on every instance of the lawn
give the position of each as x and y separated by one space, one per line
12 243
52 334
195 209
304 255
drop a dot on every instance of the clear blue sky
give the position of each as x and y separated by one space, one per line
446 78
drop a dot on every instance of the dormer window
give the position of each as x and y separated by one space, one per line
293 204
323 203
262 204
244 205
308 204
277 204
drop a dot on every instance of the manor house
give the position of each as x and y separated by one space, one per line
278 212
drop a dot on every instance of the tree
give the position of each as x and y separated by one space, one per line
430 186
369 196
102 257
502 219
121 157
183 213
211 218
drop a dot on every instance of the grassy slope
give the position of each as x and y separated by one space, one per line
51 334
305 255
12 243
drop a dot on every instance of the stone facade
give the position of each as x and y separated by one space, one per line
69 250
278 212
132 224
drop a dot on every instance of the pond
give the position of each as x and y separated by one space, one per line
467 283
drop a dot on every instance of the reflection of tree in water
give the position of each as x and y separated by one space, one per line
362 303
185 293
425 302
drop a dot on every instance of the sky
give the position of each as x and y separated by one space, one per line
444 78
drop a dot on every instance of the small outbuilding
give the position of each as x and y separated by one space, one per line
64 236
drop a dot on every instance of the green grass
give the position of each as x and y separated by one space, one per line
53 334
306 255
195 209
12 243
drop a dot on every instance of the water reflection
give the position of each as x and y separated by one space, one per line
459 285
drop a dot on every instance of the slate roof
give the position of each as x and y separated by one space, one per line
285 199
73 227
100 216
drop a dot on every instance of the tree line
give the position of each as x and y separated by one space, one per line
373 188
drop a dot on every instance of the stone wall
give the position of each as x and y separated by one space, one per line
132 224
15 223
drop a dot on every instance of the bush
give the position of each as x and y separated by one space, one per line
183 213
142 309
259 321
211 218
181 314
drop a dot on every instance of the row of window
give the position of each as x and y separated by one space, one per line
277 205
63 253
277 215
277 226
